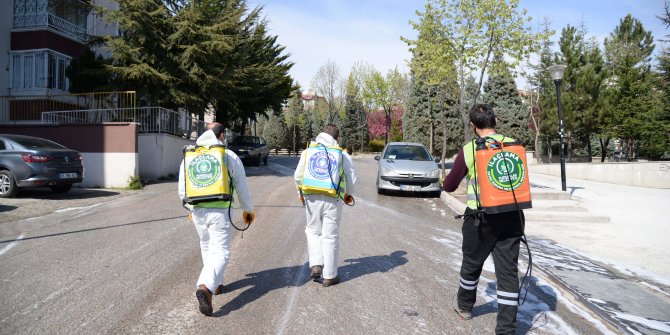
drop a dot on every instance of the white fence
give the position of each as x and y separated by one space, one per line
150 119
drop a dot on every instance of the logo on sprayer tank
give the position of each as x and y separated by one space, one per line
204 170
318 165
500 165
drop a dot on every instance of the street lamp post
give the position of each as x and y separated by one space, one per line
557 75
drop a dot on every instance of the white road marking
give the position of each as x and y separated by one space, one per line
11 245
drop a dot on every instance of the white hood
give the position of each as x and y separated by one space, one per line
207 138
325 139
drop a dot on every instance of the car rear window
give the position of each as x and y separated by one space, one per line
246 140
36 143
407 152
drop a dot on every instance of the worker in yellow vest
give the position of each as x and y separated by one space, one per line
211 214
325 177
483 233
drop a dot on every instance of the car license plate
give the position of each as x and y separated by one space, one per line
67 175
410 188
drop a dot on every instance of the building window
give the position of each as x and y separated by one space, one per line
39 69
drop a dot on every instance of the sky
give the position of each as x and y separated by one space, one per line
350 31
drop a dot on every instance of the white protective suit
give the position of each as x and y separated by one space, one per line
213 224
324 213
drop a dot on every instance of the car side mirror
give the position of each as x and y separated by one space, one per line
377 158
437 159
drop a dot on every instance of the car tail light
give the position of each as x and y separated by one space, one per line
35 158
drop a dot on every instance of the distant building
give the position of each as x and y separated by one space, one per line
308 99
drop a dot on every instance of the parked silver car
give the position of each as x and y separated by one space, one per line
406 166
251 149
27 161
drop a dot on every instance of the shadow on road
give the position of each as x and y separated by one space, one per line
5 208
90 229
261 283
359 267
74 194
532 315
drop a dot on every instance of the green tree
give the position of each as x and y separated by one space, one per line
501 93
663 83
193 54
458 38
361 72
293 116
419 121
631 100
275 132
589 85
571 45
465 35
354 132
539 84
327 83
88 73
387 93
141 58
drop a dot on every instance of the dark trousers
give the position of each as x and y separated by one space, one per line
500 235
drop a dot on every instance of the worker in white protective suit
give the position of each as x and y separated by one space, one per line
212 219
325 178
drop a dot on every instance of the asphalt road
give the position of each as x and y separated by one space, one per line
123 262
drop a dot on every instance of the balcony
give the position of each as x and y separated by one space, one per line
30 108
66 17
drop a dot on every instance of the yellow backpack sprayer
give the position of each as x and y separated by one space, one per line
207 178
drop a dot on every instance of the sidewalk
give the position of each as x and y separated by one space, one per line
634 239
626 227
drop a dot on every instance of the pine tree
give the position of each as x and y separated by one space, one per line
354 126
88 73
292 116
275 132
420 119
632 103
663 83
548 114
571 53
501 93
140 59
190 54
589 87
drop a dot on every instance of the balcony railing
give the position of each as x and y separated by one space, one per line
45 19
29 108
150 119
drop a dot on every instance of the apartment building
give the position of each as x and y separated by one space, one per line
39 39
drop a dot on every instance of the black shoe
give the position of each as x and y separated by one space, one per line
315 272
331 282
204 300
